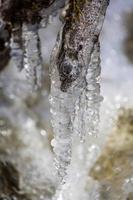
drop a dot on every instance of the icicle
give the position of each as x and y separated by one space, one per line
61 105
87 112
86 116
17 46
75 91
32 55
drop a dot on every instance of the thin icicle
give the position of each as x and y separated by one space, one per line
17 46
86 116
32 55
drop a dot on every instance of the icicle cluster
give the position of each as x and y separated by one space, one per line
76 110
25 41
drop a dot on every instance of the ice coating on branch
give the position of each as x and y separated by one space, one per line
32 55
74 99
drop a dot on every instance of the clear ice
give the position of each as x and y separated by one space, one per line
61 110
76 111
71 114
32 55
86 113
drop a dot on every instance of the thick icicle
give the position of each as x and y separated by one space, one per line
61 107
17 46
32 55
87 107
75 92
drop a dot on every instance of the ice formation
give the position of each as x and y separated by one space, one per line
32 55
61 108
25 41
73 113
86 115
75 104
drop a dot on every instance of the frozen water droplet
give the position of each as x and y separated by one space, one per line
53 143
43 133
